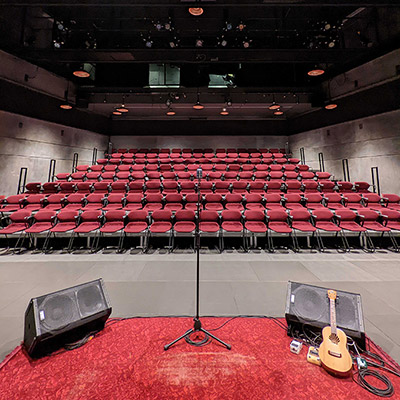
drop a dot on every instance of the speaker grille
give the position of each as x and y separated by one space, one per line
57 312
309 304
90 300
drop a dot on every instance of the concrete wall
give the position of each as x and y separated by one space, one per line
368 142
212 142
37 142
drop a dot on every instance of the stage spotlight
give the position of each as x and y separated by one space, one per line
174 42
224 111
316 71
84 71
122 109
274 106
229 102
330 105
196 11
278 112
198 105
115 112
228 26
158 26
170 112
168 103
199 42
148 43
57 44
66 106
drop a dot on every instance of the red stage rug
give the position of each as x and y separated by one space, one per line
127 361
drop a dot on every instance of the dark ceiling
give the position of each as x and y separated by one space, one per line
260 50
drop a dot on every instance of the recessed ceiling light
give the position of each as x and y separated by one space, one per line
224 111
316 72
274 106
331 106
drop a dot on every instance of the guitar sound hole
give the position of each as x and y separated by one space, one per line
334 338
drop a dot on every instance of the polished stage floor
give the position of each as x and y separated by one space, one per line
232 283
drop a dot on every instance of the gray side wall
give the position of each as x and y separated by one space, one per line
368 142
193 142
36 143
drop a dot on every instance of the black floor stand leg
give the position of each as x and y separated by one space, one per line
197 323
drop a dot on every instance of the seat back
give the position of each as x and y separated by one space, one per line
323 215
185 215
277 216
210 216
254 215
231 215
20 215
44 216
114 215
369 215
90 216
137 215
300 215
162 215
67 216
346 215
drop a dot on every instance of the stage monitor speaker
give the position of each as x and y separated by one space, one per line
308 305
59 318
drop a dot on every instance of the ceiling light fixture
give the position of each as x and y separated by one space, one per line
196 11
122 109
224 111
199 42
83 71
330 105
278 112
170 112
115 112
198 105
65 105
274 105
316 71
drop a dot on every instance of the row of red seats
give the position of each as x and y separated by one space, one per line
193 168
185 186
226 223
188 150
211 201
193 160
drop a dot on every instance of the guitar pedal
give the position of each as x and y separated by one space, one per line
313 356
296 346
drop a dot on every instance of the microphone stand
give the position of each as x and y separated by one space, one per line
197 341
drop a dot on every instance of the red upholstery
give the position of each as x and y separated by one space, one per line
293 201
369 220
289 175
19 222
133 202
43 221
293 186
55 202
393 201
50 187
255 221
222 187
362 187
209 221
118 187
254 202
96 168
184 221
301 220
234 201
314 201
391 219
173 202
33 187
324 220
323 175
373 201
161 221
66 221
114 221
94 201
63 176
101 187
114 201
74 202
347 221
94 176
69 187
153 202
33 202
327 186
89 222
310 186
354 201
213 202
334 201
273 202
277 221
275 175
137 222
345 187
136 186
84 187
231 221
274 186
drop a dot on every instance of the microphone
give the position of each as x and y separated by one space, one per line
199 173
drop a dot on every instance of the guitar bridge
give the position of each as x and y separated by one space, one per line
334 354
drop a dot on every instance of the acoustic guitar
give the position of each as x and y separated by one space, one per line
333 352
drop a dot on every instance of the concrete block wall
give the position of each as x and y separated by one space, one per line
34 143
193 142
368 142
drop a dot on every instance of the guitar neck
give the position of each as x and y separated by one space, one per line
333 316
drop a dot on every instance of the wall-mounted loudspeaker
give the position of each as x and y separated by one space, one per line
59 318
308 306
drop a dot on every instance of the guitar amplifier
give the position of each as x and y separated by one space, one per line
308 305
